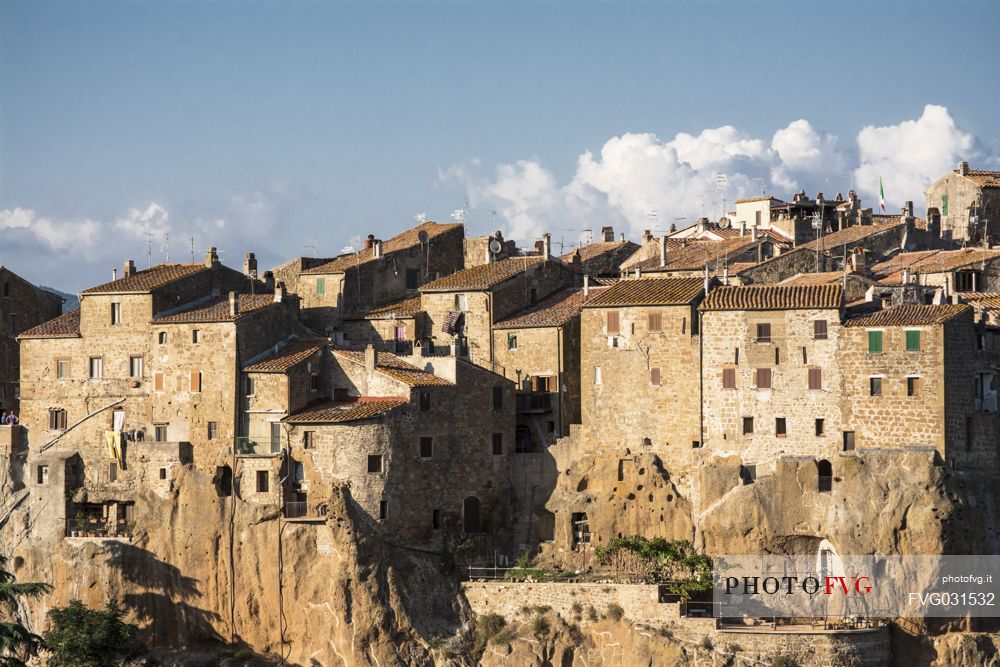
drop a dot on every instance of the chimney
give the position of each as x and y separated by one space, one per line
963 168
279 292
129 269
743 227
234 304
906 276
608 234
706 280
370 241
586 285
725 275
371 358
622 237
663 250
646 236
250 265
908 209
753 232
377 245
114 274
546 245
211 258
269 280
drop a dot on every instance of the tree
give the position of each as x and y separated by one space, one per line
83 637
16 641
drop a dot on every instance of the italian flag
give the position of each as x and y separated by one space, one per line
881 195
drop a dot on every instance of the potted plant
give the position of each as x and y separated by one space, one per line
79 524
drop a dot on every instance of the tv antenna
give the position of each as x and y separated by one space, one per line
311 246
149 249
493 220
720 187
165 247
652 215
192 249
421 217
761 180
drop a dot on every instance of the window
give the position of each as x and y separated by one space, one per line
308 439
498 397
116 313
805 355
13 324
162 336
195 336
777 356
597 375
497 444
160 432
763 332
57 419
383 510
411 278
820 425
461 303
729 378
816 379
248 386
341 395
655 321
748 473
62 368
263 483
96 367
533 295
684 326
163 473
275 437
614 326
756 218
195 377
213 430
426 447
135 366
913 386
819 330
42 474
824 470
374 463
763 380
654 377
913 340
157 381
541 383
874 342
435 519
425 401
6 289
848 441
736 356
320 286
874 386
965 281
980 342
512 341
314 382
113 471
748 426
780 427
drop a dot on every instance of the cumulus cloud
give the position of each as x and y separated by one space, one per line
801 150
27 225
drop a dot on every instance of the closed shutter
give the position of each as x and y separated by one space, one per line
655 322
815 378
819 329
913 341
763 378
729 378
613 326
196 381
158 381
654 377
875 342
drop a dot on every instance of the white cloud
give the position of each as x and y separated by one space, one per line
62 235
153 219
801 150
908 156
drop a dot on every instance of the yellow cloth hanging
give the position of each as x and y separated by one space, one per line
114 440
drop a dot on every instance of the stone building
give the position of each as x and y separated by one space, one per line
955 271
601 258
141 379
487 249
380 273
722 258
538 348
770 382
964 204
462 308
22 306
793 220
393 327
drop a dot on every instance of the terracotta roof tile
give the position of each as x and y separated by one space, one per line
287 357
593 250
697 253
821 278
66 325
852 234
214 310
890 272
388 311
484 276
391 365
773 297
649 292
910 315
984 178
148 279
329 412
750 200
987 300
553 311
401 241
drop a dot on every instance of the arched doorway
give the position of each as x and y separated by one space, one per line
825 471
471 522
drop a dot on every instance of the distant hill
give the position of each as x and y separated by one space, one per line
71 300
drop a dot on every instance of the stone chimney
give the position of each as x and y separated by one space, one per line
546 245
743 227
370 241
907 209
663 250
279 292
114 274
129 269
211 258
371 358
753 232
269 280
377 245
234 304
646 236
586 285
249 265
858 260
963 168
608 234
906 276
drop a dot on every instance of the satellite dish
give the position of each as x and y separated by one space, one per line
422 236
495 246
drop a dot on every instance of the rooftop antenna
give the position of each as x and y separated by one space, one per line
701 198
311 246
192 249
421 217
680 220
761 179
149 249
651 215
165 248
493 221
720 186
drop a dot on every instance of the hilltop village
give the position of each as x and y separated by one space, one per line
248 456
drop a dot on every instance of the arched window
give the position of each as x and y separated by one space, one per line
470 515
825 470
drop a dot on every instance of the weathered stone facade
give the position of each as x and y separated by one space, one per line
966 202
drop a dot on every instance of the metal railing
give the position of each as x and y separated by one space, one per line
304 510
98 527
534 402
251 446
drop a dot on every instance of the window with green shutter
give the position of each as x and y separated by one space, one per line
874 342
320 286
913 341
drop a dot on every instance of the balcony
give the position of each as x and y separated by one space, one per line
534 402
257 446
305 511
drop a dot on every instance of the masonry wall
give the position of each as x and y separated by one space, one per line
971 436
382 332
22 306
962 195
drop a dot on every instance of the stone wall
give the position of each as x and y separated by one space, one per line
963 195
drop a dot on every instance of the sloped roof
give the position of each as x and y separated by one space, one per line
984 178
391 365
774 297
910 315
287 357
696 254
215 310
931 261
750 200
821 278
593 250
988 300
847 235
401 241
330 412
553 311
649 292
66 325
396 309
484 276
148 279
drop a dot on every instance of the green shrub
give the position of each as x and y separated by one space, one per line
487 626
592 613
83 637
540 627
615 612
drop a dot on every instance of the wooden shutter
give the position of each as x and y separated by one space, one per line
158 381
613 326
195 381
819 329
654 377
655 321
763 378
729 378
815 378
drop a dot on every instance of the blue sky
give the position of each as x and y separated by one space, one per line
263 125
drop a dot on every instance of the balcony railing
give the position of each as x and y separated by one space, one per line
304 510
98 527
253 446
534 402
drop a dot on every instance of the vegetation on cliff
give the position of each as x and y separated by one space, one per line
84 637
17 643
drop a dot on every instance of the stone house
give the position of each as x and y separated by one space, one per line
22 306
486 249
955 271
601 258
538 348
965 204
143 378
770 381
462 308
793 220
721 258
921 376
392 327
381 272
